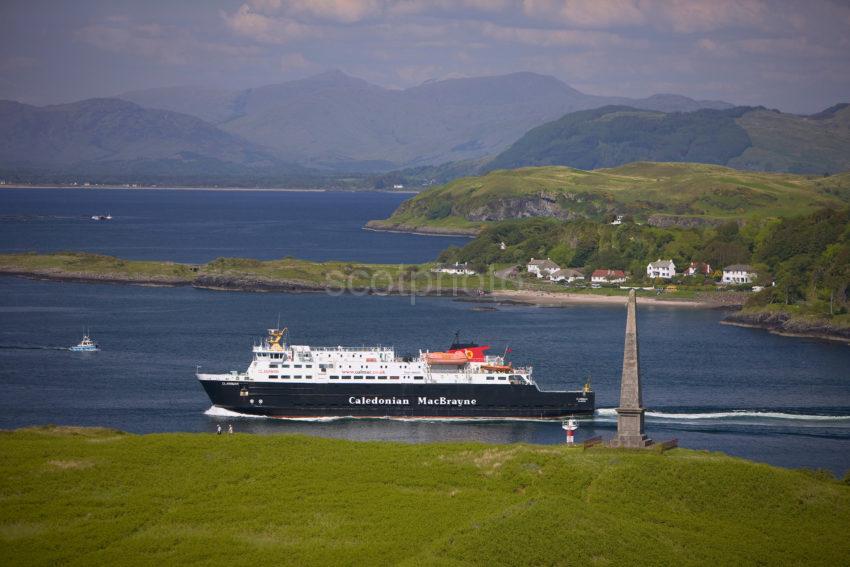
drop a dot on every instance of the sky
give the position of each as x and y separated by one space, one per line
793 55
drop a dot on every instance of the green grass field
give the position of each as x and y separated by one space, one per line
641 189
99 497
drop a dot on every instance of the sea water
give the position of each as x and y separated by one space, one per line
741 391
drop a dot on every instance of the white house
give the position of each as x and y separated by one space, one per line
542 268
567 275
608 276
738 274
455 269
618 220
665 269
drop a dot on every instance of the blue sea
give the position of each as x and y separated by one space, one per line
199 226
744 392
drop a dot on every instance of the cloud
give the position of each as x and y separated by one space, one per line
588 13
246 22
346 11
685 16
555 37
352 11
680 16
165 44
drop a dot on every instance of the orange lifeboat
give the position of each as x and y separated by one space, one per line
497 367
454 358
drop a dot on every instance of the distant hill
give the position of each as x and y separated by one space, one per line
743 138
661 194
340 122
122 141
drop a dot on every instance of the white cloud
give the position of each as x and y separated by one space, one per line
246 22
587 13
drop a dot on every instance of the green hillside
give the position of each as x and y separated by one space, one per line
102 497
662 194
744 137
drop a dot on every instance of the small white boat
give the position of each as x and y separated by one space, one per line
85 345
107 216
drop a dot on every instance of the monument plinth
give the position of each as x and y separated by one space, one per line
630 413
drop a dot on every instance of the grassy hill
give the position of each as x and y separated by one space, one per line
96 496
743 137
687 194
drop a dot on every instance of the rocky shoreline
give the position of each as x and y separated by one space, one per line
384 226
786 325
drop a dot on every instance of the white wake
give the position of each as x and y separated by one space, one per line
612 412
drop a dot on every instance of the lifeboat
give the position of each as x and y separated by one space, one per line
497 367
452 358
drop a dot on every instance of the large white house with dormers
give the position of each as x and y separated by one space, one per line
542 268
738 274
664 269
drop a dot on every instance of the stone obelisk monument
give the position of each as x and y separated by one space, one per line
630 432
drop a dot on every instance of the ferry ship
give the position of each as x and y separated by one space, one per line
299 381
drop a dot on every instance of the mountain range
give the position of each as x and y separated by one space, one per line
340 122
334 129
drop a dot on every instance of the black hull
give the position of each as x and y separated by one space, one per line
397 400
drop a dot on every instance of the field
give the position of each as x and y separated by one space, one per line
687 194
96 497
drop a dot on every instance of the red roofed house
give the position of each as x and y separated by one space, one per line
608 276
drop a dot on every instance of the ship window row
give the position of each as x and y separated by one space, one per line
288 366
287 377
335 377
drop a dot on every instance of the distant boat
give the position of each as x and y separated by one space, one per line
107 216
85 345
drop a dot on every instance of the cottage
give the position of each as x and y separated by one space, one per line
665 269
457 269
698 268
566 275
738 274
608 276
542 268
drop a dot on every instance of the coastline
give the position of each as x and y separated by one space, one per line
564 299
221 189
268 285
783 324
382 226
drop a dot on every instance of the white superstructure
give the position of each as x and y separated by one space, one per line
276 361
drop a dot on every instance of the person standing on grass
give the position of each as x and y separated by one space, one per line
230 429
218 429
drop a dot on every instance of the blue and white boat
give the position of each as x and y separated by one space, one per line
85 345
